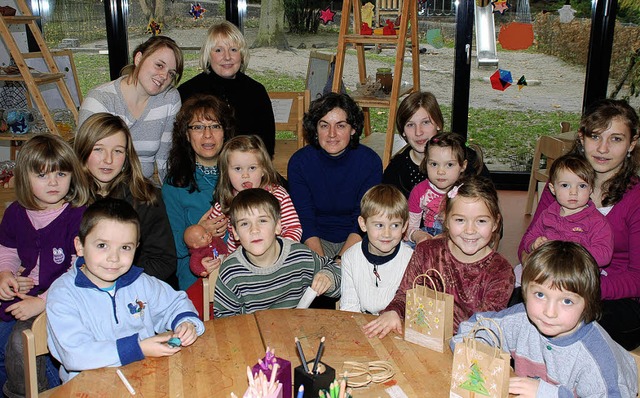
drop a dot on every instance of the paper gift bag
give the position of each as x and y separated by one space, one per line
428 317
283 373
478 368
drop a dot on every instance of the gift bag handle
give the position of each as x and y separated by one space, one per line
427 276
496 337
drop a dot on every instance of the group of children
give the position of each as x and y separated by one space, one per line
454 222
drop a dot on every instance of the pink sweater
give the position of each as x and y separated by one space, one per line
289 221
621 279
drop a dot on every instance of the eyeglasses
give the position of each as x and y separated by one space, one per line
201 127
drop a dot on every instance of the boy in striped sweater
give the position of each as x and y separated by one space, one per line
267 272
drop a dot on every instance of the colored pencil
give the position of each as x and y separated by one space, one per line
300 391
318 355
302 358
125 382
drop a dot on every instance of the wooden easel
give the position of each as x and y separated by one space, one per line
401 40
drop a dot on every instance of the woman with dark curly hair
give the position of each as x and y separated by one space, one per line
328 178
202 125
607 139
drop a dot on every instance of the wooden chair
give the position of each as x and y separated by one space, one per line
387 9
288 109
551 148
35 344
208 289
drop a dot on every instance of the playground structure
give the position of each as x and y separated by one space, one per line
486 52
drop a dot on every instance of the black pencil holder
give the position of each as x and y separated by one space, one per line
313 383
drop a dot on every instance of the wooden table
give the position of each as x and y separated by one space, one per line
216 364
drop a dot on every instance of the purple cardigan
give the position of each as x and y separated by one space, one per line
587 227
621 279
53 244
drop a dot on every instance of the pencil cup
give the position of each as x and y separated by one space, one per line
313 383
276 394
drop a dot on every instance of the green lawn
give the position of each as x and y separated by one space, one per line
501 135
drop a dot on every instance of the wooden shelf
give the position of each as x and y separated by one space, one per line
371 39
39 78
20 19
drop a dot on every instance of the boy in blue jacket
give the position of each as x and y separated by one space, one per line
106 312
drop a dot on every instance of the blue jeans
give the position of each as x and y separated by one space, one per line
12 370
433 231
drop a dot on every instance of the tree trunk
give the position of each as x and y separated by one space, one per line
271 28
146 11
159 11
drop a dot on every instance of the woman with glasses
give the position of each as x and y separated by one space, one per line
223 58
146 99
203 124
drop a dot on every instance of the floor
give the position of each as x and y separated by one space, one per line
511 202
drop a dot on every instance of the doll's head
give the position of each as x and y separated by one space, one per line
196 236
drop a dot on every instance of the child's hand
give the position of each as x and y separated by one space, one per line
385 323
538 242
210 264
25 284
418 236
156 346
8 286
523 386
186 332
321 283
27 308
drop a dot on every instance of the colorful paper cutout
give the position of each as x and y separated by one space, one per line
327 15
500 6
196 11
366 12
516 36
434 37
522 82
154 28
389 30
501 80
365 29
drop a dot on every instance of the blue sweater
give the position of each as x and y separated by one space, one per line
89 328
184 209
326 190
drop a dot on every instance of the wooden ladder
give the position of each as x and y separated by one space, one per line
403 39
33 80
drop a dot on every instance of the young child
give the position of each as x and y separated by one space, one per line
244 163
106 312
372 269
573 216
105 148
444 162
36 245
557 346
206 251
268 272
478 277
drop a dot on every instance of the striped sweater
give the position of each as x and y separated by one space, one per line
243 288
151 132
291 228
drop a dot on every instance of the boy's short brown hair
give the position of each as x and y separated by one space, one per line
254 198
568 266
384 199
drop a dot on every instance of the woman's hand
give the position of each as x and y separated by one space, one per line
523 387
216 226
156 346
321 283
385 323
27 308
